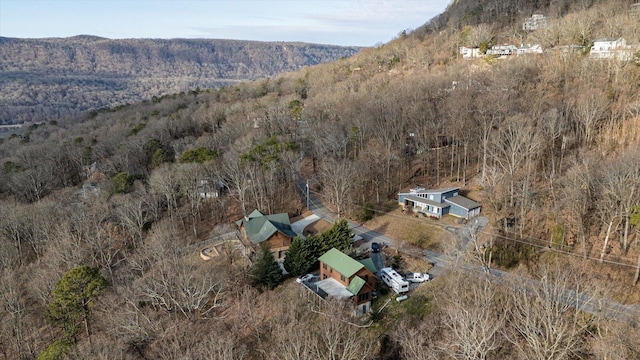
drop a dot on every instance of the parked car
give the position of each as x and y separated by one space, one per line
416 277
375 247
304 278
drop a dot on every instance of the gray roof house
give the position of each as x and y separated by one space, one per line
439 202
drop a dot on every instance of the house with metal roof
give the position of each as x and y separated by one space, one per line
273 230
439 202
343 277
526 49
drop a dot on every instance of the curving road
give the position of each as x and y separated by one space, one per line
583 301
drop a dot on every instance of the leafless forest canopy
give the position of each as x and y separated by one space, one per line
549 143
46 79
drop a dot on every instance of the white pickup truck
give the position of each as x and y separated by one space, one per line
416 277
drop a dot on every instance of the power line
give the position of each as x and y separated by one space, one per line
615 308
631 263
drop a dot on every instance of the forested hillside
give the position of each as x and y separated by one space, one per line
45 79
548 143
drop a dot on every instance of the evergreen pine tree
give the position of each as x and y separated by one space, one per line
299 259
339 237
73 297
314 247
266 271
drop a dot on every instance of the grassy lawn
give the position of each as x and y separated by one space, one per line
421 302
419 231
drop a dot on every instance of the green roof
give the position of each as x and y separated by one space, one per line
260 227
341 262
368 263
254 214
356 285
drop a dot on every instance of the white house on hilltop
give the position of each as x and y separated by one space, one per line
611 48
530 49
470 52
503 50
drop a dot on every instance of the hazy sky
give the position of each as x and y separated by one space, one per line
340 22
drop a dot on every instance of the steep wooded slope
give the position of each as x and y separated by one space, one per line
549 144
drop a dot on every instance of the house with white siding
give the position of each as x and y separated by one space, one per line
503 50
611 48
470 52
439 202
526 49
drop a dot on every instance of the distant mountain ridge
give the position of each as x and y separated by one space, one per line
44 79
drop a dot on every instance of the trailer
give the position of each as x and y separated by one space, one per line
394 280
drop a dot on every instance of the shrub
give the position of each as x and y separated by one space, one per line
389 205
122 183
417 306
199 155
508 254
136 129
55 351
367 212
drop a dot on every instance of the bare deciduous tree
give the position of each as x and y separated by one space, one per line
164 181
336 177
474 318
132 214
421 341
336 338
12 329
237 182
589 108
513 150
545 315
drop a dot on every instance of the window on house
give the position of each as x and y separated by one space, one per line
324 266
363 297
342 278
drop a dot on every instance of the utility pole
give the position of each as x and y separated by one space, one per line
307 188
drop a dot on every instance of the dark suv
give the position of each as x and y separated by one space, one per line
375 247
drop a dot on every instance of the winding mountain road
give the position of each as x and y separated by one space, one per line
583 301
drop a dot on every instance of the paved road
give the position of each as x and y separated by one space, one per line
442 262
317 207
